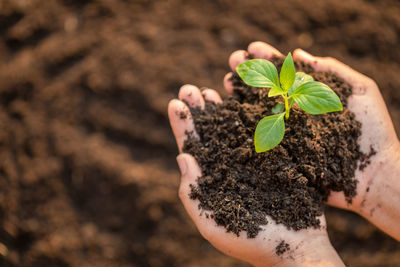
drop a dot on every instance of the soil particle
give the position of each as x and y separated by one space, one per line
289 183
183 115
365 159
282 248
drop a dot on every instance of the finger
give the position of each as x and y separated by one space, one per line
263 50
190 171
228 83
359 82
180 120
191 95
211 95
237 58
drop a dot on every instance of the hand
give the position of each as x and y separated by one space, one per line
378 187
308 247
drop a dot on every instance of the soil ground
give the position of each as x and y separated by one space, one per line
88 174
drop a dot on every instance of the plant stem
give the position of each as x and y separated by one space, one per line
286 107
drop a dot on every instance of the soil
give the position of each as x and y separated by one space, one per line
288 183
282 248
88 175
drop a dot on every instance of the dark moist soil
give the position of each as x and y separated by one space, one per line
282 248
288 183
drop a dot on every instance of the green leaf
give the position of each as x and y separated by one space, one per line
275 90
258 73
300 78
269 132
288 73
316 98
278 108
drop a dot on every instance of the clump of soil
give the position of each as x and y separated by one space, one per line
282 248
289 183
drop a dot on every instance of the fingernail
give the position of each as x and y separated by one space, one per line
182 163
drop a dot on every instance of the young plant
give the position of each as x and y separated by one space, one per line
300 88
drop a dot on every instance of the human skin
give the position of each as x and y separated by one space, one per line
309 247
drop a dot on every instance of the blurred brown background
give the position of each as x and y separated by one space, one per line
88 174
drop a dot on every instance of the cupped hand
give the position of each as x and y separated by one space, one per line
377 185
308 247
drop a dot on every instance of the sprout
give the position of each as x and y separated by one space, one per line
300 88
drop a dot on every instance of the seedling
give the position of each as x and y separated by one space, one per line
300 88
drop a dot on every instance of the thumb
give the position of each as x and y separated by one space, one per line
190 172
190 169
359 82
